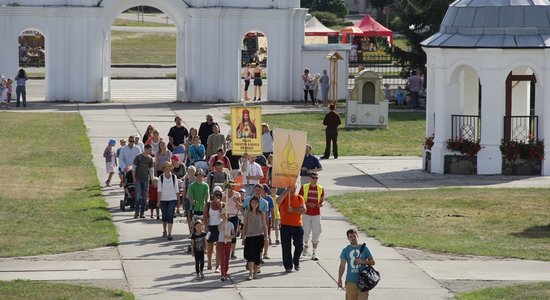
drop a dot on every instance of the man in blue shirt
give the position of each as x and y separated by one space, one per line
354 259
311 164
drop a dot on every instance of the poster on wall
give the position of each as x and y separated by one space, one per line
289 147
246 130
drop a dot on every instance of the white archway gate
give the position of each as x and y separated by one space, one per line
78 40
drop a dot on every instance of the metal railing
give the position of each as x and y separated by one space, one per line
521 128
467 127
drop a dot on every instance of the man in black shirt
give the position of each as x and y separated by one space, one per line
206 129
177 134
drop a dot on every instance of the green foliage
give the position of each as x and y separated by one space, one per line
337 7
50 200
404 136
329 19
416 20
531 291
502 222
40 290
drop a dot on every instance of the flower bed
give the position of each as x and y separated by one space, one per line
522 158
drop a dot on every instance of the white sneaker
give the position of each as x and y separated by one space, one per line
305 252
314 256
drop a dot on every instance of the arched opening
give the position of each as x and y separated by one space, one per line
32 59
464 104
520 121
143 56
369 92
254 68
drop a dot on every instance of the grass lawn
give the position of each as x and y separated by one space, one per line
404 136
143 48
134 23
40 290
534 291
488 222
50 200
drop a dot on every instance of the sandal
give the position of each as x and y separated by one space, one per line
164 234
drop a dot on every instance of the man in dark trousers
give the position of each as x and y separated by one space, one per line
332 121
206 129
177 134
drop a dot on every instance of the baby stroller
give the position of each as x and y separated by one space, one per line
201 164
129 191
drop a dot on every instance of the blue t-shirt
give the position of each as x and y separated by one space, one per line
264 206
349 254
269 201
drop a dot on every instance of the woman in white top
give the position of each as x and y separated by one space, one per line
252 173
233 202
212 219
168 191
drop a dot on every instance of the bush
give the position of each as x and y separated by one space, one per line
327 18
337 7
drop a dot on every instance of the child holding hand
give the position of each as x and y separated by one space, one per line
227 233
153 198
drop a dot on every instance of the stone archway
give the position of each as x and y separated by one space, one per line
174 9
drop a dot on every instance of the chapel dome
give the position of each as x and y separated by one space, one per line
494 24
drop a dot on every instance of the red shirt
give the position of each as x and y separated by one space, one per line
312 197
153 196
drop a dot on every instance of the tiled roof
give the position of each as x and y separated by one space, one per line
494 24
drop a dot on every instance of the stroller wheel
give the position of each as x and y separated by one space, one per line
122 206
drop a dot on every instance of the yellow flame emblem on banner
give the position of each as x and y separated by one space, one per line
289 156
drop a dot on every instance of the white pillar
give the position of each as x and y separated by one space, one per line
493 82
441 121
544 122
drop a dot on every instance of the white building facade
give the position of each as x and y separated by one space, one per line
209 37
488 78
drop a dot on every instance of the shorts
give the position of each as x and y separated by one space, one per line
246 84
312 224
214 234
110 167
187 207
257 82
353 292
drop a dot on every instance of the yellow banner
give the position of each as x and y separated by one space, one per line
246 130
289 147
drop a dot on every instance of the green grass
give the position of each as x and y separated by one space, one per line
132 23
533 291
50 200
487 222
143 48
404 136
39 290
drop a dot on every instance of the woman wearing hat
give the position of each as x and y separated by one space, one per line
110 160
168 192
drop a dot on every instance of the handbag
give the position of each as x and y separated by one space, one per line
368 276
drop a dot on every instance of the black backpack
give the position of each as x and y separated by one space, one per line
368 276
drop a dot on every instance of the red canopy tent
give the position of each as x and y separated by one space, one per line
370 27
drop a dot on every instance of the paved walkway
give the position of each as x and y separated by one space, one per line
157 269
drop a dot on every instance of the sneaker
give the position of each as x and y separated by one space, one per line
288 270
107 183
202 275
169 237
297 267
314 256
304 251
266 257
136 215
158 217
189 249
217 270
142 216
233 256
277 242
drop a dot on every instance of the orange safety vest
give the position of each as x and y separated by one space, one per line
319 191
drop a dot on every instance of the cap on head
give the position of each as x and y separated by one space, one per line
112 142
175 158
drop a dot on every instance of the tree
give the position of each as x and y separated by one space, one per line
416 20
337 7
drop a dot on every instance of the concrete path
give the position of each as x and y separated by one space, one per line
155 268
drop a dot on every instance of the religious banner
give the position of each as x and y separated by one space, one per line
289 147
246 130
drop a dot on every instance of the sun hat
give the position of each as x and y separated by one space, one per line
242 191
217 188
167 165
